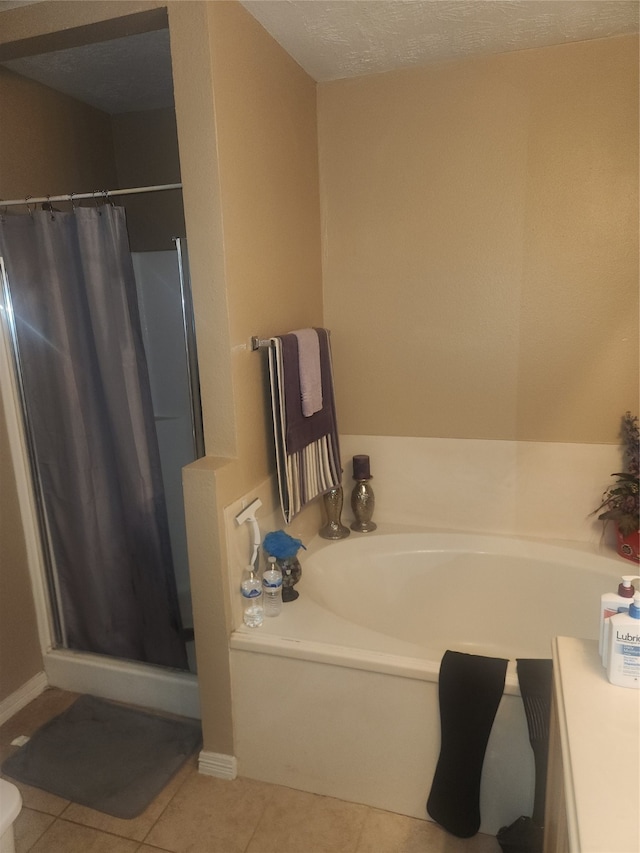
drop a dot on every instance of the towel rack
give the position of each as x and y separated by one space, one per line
259 343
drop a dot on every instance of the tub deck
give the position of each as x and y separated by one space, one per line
310 629
325 702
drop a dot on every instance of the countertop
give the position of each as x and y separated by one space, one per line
600 740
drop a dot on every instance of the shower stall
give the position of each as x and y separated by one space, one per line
100 387
166 314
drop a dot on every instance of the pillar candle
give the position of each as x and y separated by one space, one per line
361 468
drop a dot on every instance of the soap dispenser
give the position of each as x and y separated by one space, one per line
610 604
623 667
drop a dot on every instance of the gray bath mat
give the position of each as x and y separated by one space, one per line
106 756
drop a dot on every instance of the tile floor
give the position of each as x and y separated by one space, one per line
200 814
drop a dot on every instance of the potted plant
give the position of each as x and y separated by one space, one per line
621 500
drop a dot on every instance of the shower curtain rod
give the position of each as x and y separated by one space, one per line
95 195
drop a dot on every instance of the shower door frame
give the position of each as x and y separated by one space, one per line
151 686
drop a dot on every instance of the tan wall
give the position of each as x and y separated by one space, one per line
50 144
480 221
248 153
268 159
20 657
146 153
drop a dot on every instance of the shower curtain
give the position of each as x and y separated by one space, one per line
88 406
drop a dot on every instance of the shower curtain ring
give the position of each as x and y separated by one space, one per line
29 208
96 195
71 199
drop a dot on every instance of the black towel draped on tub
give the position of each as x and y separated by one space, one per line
470 688
535 677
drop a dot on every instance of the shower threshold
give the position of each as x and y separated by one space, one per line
149 686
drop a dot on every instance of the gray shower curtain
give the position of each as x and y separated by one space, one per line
89 408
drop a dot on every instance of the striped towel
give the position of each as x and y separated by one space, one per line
307 448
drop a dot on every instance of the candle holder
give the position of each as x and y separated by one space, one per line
362 503
291 573
333 529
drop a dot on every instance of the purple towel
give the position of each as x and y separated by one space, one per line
301 430
309 369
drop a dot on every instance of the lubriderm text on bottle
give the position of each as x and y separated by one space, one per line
623 667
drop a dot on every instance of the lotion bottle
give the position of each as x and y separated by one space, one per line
610 604
623 667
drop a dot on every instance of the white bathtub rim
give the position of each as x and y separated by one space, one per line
486 542
352 658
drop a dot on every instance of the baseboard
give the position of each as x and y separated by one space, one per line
217 764
22 696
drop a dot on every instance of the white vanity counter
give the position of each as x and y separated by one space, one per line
599 734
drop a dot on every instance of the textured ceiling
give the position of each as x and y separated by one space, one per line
330 40
344 38
121 75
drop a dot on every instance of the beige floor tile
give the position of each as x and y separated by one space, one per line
145 848
38 800
385 832
64 837
482 843
210 815
29 719
28 828
26 722
136 828
295 821
47 704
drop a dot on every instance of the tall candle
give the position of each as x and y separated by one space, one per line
361 468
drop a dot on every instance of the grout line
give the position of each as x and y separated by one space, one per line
42 835
262 813
64 809
361 833
35 841
95 829
169 801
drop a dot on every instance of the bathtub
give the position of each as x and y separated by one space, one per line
339 696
